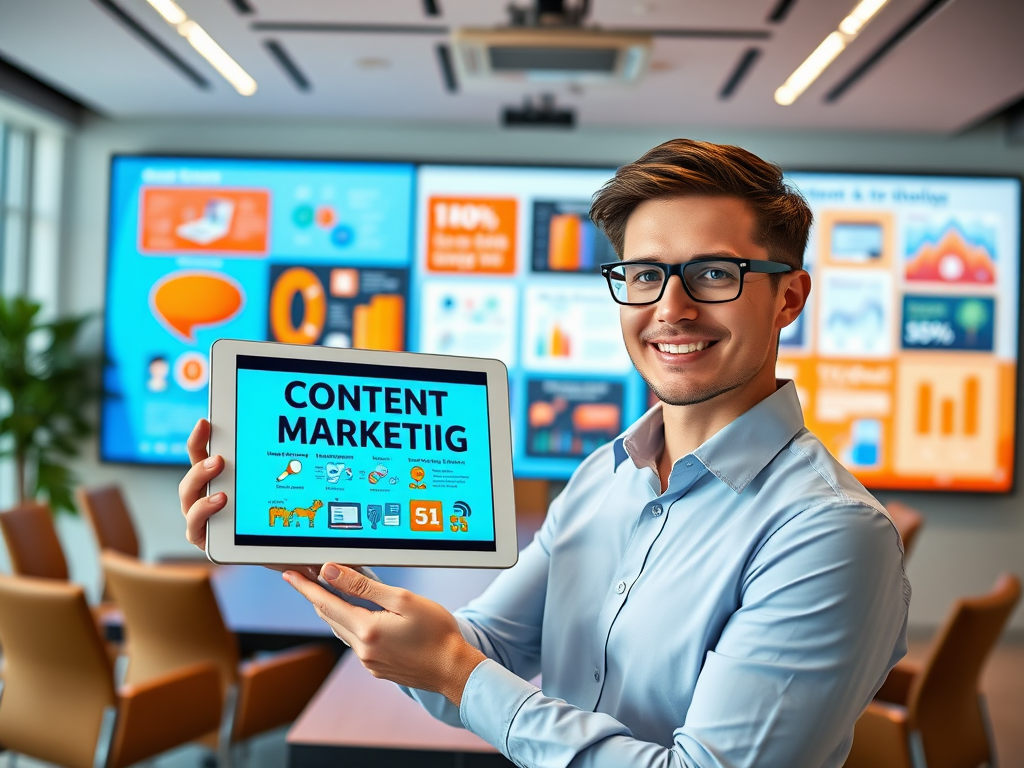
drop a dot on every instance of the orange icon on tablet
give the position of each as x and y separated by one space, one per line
182 301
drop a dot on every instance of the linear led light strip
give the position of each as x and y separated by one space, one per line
207 47
825 53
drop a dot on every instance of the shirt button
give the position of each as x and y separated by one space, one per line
620 587
597 675
689 463
656 510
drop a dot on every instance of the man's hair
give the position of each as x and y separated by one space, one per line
685 167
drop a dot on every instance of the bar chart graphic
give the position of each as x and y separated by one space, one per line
946 417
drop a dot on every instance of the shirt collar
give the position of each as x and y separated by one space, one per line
738 452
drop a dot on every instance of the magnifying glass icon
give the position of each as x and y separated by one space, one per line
294 467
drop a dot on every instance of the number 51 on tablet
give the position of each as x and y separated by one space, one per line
426 516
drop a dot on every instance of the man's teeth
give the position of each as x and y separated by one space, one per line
683 349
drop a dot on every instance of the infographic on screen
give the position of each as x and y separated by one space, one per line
507 266
335 454
272 250
906 359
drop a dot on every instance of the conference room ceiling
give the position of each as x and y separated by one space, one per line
920 65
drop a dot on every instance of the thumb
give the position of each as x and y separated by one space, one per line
353 583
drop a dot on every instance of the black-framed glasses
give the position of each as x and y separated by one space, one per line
709 281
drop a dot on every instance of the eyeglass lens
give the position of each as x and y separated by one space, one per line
640 283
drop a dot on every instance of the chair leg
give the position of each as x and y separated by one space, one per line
986 720
106 737
227 727
917 758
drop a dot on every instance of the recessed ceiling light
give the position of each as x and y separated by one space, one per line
229 69
826 52
170 10
207 47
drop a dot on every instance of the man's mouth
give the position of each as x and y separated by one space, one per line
684 349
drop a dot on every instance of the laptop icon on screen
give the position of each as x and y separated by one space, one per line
344 515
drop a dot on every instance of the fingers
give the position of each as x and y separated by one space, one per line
197 441
343 618
198 514
192 487
353 583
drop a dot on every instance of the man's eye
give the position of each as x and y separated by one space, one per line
648 276
714 275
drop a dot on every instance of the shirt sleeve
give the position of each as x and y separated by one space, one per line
506 621
822 619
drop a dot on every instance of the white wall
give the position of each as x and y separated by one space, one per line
967 539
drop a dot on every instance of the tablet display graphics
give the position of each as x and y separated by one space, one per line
340 454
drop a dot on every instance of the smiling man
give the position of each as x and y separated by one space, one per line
710 589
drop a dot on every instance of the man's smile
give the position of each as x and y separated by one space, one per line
684 348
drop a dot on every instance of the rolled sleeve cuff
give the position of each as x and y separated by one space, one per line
490 701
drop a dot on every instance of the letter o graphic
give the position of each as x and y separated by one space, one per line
315 401
298 280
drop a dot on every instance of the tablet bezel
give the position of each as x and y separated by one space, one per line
220 530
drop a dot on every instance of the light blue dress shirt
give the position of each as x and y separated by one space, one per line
744 617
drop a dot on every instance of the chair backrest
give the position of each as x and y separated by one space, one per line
908 522
57 674
943 701
171 618
32 542
109 517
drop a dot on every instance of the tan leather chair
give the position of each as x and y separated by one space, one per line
58 701
108 515
908 522
172 618
932 715
32 542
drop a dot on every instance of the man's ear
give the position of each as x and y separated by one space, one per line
792 296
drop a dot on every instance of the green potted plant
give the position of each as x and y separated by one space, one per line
46 384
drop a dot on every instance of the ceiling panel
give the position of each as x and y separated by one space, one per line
961 65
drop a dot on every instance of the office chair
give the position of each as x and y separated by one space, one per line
32 542
908 522
932 715
58 701
172 618
108 515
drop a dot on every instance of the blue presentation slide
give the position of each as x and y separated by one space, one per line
208 248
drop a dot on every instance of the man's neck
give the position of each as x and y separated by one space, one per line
687 427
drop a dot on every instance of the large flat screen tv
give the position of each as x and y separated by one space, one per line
905 359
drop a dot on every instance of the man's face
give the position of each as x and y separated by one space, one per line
736 339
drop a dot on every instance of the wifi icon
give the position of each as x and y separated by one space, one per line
462 509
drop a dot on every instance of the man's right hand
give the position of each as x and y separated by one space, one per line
196 506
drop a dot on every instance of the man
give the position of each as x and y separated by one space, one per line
710 589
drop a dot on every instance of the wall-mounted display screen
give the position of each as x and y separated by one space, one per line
905 358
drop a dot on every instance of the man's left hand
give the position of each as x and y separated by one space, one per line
414 641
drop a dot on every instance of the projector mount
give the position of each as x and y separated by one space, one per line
549 13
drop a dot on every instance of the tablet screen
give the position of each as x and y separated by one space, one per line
334 454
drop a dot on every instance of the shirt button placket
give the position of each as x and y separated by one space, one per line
656 510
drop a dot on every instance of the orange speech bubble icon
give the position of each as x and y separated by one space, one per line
184 300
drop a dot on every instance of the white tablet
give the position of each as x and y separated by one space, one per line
360 457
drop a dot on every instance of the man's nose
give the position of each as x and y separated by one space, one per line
675 303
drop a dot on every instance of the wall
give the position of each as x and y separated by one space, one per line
967 540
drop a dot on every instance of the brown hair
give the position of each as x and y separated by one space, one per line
686 167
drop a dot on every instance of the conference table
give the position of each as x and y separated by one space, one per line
356 719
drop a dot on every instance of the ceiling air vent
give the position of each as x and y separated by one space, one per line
485 58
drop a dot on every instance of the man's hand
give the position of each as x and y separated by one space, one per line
196 506
413 641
